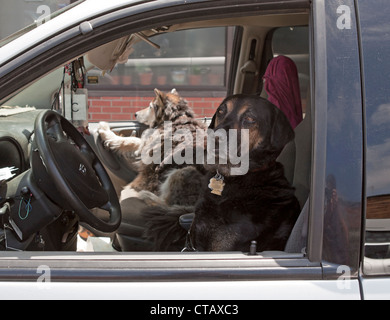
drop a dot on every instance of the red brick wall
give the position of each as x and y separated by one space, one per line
124 108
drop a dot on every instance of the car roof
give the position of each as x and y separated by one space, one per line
76 15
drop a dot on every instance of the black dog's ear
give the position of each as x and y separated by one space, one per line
212 124
282 132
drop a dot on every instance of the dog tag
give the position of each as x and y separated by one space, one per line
217 184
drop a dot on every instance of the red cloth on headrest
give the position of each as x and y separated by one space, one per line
282 86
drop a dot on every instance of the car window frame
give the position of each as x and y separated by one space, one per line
340 47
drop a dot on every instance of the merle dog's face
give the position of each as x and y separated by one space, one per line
268 131
154 113
262 132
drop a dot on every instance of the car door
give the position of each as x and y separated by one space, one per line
325 269
375 44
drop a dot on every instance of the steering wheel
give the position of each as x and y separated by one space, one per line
76 171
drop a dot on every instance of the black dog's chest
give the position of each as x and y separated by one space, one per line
253 195
235 201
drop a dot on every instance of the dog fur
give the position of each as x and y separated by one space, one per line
166 107
259 206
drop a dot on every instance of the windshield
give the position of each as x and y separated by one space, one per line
18 17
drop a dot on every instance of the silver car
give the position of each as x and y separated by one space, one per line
64 234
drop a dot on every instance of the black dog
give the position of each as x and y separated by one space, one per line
233 211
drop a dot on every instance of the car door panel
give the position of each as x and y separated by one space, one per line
200 291
376 288
375 44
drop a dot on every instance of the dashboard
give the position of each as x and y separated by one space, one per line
15 136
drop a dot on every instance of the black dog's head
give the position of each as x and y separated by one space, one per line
267 132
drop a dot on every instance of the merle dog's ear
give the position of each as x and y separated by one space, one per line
282 132
160 96
160 103
174 91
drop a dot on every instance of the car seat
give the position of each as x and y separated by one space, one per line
299 155
296 157
130 235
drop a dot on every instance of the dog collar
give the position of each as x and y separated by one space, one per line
217 184
264 167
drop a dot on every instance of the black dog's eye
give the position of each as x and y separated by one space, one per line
248 120
222 110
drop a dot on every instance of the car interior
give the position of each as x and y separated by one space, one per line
25 182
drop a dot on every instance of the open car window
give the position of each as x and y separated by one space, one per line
198 59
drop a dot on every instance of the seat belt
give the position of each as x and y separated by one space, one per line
250 71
